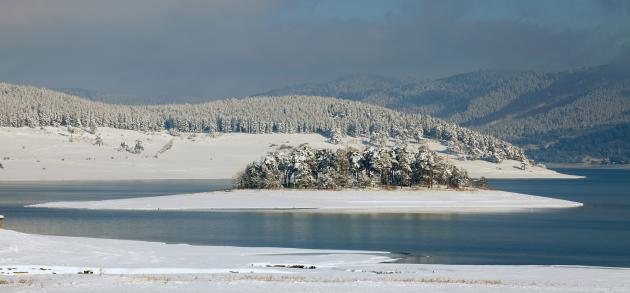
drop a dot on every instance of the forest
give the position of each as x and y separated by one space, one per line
25 106
307 168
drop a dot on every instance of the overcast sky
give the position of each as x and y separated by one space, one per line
235 48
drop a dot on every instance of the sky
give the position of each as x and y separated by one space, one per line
231 48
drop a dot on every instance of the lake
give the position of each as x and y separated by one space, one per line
596 234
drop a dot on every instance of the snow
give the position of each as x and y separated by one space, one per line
48 154
38 254
392 201
507 169
27 263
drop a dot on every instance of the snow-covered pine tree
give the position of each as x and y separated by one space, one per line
303 160
402 167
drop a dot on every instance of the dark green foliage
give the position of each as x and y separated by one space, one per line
482 183
604 145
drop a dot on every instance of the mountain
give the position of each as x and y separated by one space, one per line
568 117
33 107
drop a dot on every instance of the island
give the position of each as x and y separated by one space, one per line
402 179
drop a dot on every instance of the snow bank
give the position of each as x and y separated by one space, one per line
55 154
330 201
37 254
27 264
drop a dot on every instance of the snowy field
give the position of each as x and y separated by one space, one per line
35 263
373 201
55 154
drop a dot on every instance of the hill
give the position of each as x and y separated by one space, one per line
37 107
571 116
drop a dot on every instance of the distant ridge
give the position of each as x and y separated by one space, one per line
570 116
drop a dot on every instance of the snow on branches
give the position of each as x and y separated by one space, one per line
304 167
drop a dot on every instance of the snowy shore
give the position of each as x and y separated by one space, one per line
346 201
55 154
37 263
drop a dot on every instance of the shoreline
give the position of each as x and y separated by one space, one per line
35 263
323 201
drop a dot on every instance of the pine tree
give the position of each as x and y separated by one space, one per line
98 141
138 148
402 167
343 168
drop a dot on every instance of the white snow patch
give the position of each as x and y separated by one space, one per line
143 267
330 201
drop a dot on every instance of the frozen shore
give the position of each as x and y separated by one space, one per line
37 263
55 154
374 201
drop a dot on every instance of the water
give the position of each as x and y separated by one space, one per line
596 234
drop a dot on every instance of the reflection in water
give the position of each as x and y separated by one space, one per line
597 234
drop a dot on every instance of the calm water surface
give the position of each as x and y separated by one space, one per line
596 234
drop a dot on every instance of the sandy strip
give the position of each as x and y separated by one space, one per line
374 201
27 264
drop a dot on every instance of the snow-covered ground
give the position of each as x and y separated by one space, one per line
330 201
35 263
39 254
54 154
508 169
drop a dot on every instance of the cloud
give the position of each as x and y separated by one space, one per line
233 48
